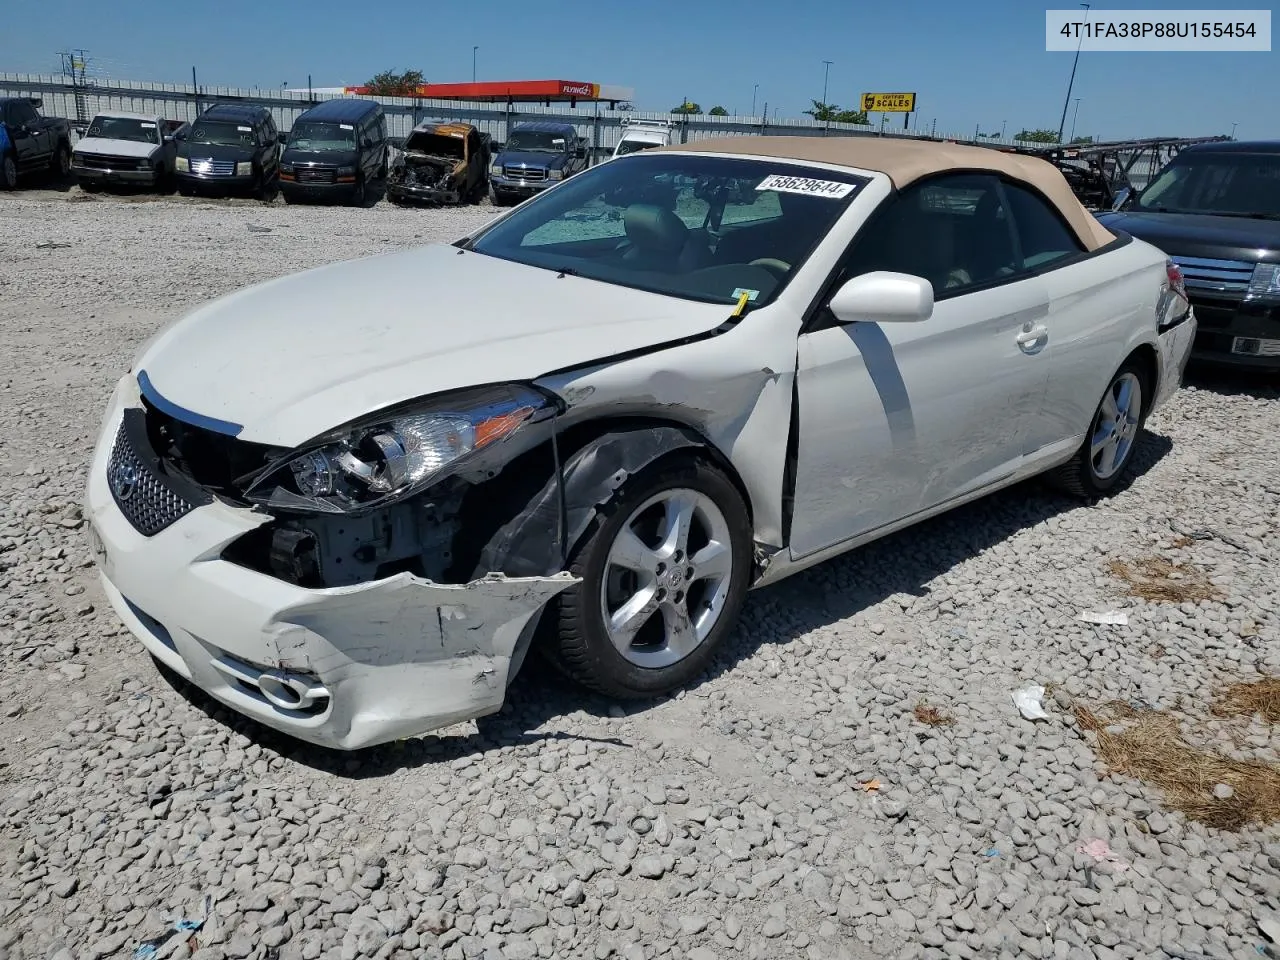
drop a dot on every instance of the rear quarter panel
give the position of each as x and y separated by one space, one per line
1101 310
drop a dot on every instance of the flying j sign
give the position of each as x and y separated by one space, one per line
889 102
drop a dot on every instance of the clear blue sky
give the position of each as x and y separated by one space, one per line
980 63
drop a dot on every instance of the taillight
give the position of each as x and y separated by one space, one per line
1176 283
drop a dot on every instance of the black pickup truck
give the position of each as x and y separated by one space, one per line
30 142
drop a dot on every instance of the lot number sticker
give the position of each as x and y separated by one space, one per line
818 188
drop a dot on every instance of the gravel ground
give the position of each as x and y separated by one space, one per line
790 805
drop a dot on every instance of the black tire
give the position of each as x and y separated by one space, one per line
580 645
185 190
8 172
1088 476
359 194
91 187
60 162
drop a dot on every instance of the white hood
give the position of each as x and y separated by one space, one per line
297 356
116 148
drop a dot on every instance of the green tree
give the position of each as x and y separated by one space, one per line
1036 136
388 83
1082 139
833 113
688 107
718 111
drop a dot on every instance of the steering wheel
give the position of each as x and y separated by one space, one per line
780 268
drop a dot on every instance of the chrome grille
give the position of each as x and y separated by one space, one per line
1223 279
521 173
144 498
99 161
214 168
315 174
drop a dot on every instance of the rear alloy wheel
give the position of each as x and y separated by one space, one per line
664 574
8 172
1106 456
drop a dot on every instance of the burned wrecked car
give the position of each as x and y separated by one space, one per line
441 163
348 511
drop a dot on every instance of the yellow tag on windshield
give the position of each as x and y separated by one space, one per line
743 299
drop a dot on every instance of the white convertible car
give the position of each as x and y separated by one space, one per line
346 502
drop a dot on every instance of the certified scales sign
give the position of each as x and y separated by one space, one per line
889 102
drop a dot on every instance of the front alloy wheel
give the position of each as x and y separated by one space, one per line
666 578
664 573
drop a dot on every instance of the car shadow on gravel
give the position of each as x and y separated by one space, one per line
1233 381
898 565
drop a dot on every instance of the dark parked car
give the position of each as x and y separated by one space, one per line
30 142
441 163
1215 209
231 148
537 155
334 151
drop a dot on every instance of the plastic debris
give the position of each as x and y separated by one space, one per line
148 949
1028 701
993 852
1107 618
1101 853
254 228
870 786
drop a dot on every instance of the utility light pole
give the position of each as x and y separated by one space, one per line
826 71
1073 119
473 63
755 88
1070 83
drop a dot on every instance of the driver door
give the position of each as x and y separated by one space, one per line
896 418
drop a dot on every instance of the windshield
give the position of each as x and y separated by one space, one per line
124 128
223 133
699 228
1226 184
322 137
634 146
437 145
536 141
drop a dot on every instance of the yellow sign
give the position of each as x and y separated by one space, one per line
889 102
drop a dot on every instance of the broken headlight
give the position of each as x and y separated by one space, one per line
397 453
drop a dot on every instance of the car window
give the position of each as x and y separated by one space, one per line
23 112
760 205
953 231
1042 236
648 222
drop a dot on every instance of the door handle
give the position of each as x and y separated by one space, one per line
1028 339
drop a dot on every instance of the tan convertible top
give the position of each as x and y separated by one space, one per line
905 161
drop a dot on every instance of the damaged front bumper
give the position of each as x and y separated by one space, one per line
424 194
341 667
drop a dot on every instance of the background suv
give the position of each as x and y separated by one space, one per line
231 148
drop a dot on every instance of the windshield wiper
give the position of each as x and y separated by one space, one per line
1246 216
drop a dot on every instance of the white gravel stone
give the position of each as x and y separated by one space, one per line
732 819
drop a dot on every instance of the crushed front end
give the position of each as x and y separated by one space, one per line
428 179
345 624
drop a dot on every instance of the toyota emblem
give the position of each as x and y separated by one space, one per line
124 480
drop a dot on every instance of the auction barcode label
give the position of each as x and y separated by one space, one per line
1132 31
820 188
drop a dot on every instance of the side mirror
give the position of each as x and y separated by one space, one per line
883 297
581 153
282 138
367 143
1123 196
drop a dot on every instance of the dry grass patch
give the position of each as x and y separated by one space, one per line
1246 699
1151 748
931 716
1162 581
